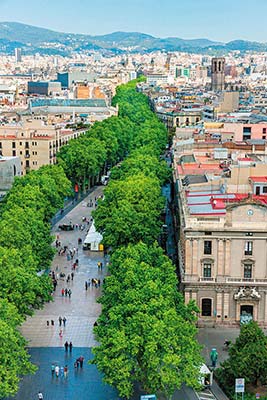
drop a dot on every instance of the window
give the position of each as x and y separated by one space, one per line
264 189
207 246
0 145
264 130
14 153
207 271
248 271
206 307
246 133
248 248
13 145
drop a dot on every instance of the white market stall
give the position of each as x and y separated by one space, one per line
93 240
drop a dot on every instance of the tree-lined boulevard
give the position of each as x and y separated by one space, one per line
146 333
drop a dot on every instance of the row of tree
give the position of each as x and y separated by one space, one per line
146 332
25 250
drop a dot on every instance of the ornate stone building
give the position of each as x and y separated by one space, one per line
223 255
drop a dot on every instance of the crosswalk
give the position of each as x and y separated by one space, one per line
206 394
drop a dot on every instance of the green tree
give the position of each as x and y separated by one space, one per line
130 211
247 358
144 334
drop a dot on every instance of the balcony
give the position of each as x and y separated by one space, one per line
206 279
247 281
195 278
223 279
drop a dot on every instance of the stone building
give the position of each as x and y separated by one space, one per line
223 255
218 73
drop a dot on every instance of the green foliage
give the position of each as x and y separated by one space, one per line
25 249
142 335
247 358
14 360
82 159
130 211
145 330
146 164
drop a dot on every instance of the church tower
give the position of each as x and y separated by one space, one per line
217 73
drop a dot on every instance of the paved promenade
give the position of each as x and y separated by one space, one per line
81 311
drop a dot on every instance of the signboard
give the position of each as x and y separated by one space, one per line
240 385
148 397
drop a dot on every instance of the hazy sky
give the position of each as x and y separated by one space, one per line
214 19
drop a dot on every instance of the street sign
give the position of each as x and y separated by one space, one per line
240 385
148 397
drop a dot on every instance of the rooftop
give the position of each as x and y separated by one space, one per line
68 103
214 203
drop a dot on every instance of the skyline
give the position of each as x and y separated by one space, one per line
193 19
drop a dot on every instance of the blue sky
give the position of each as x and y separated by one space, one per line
221 20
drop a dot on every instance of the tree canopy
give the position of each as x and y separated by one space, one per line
247 359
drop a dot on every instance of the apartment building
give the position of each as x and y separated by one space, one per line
35 141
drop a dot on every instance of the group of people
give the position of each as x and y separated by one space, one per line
79 362
68 346
57 371
62 321
66 292
70 277
100 265
94 282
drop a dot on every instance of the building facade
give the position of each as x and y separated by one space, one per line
223 254
34 141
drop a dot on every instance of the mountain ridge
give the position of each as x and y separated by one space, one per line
47 41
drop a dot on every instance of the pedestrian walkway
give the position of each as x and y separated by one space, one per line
81 310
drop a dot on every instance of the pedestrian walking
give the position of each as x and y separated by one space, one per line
81 358
72 276
60 333
57 371
60 320
86 285
70 347
213 357
65 371
69 293
78 362
64 321
62 292
52 369
40 396
99 282
66 292
47 323
52 322
62 371
66 344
